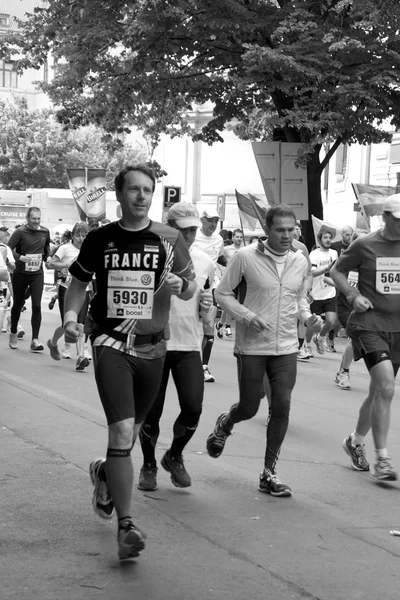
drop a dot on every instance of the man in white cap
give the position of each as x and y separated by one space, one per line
183 360
208 240
374 327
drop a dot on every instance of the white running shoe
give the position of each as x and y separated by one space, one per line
342 379
208 378
303 353
66 351
86 353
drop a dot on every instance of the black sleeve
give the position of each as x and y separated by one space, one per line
85 264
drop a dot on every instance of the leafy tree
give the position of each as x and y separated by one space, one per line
315 71
35 150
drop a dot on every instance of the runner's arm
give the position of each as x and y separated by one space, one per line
341 282
225 292
74 300
46 251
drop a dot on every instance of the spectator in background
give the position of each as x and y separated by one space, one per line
297 233
342 245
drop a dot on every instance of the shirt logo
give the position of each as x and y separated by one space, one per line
151 248
146 279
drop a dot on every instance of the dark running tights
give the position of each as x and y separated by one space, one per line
187 372
281 372
20 284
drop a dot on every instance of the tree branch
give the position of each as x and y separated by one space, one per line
330 153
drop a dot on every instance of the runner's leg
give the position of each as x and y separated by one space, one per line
36 289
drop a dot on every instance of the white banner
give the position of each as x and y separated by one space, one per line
268 163
283 182
294 190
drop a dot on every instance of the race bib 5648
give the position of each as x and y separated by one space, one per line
388 275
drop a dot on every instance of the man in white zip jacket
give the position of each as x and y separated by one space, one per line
264 289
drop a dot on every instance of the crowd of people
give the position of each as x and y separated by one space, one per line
151 297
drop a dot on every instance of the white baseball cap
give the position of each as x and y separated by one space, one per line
184 214
392 205
210 213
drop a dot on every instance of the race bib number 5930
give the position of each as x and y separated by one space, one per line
130 294
388 275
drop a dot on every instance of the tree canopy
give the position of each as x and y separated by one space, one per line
35 150
322 70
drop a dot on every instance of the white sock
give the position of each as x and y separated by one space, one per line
357 439
381 452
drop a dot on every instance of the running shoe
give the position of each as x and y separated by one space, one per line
52 302
218 330
36 346
271 484
329 345
148 477
13 341
20 333
208 378
130 540
81 363
319 342
102 502
358 459
303 354
54 351
308 348
342 379
176 467
228 331
86 353
66 351
216 440
383 470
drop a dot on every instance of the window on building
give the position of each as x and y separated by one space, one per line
4 21
341 163
8 76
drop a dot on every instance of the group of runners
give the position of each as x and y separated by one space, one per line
153 314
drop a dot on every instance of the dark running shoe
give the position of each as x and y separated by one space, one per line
36 346
81 363
130 540
148 477
357 455
176 467
218 329
54 351
52 302
102 502
217 439
271 484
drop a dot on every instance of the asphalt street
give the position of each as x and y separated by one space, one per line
220 539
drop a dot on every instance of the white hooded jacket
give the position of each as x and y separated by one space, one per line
252 286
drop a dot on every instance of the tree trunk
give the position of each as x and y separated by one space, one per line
314 197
